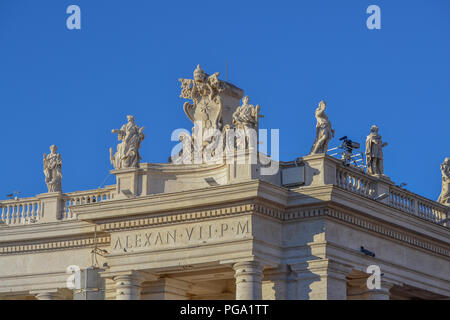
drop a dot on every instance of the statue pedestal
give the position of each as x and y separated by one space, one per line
52 206
129 182
383 187
243 166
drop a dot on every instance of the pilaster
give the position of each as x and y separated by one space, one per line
279 284
321 279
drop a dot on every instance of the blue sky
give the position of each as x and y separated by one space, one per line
71 87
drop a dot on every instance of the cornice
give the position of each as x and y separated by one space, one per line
169 168
285 217
176 217
393 233
247 205
54 245
169 202
396 273
39 231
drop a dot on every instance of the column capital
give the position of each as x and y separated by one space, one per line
129 283
248 276
358 288
380 294
47 294
321 267
248 266
321 279
137 275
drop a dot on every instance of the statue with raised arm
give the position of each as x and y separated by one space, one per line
127 154
52 170
444 198
374 152
324 132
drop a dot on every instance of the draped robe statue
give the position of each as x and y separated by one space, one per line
374 152
52 170
444 198
324 132
127 154
245 120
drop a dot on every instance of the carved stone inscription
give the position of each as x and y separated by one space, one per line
181 235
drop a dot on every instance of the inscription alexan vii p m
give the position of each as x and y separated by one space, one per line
180 235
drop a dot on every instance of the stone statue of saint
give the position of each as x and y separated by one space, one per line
374 152
246 116
444 198
245 120
185 155
52 170
127 154
324 132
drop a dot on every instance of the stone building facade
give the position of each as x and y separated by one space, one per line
225 230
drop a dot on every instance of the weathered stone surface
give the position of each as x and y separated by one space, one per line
52 170
374 152
127 154
324 131
444 198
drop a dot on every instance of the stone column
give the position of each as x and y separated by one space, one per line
248 280
129 285
47 295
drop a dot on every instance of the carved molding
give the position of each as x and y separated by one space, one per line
54 245
280 215
176 218
261 209
389 232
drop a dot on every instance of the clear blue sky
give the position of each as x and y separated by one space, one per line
71 87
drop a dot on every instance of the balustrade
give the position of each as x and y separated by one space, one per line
399 198
30 210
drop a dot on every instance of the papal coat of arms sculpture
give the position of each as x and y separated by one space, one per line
220 121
